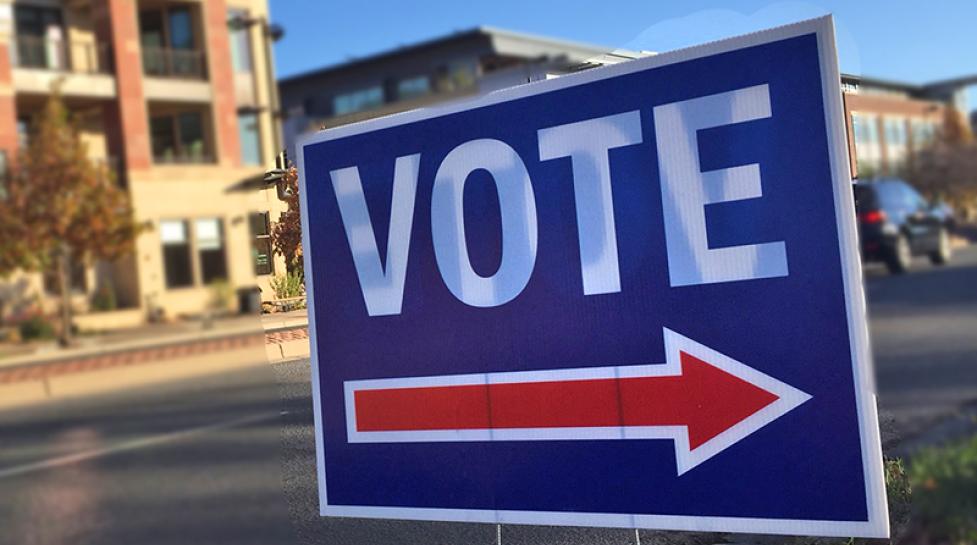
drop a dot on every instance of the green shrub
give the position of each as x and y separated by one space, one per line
36 327
287 286
944 484
104 299
221 295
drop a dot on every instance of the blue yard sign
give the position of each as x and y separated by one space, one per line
627 297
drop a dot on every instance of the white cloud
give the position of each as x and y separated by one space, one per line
715 24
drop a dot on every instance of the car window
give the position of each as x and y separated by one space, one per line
917 201
891 196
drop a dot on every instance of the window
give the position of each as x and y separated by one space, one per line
40 37
3 175
210 247
261 243
248 132
76 277
23 132
169 43
181 28
413 87
240 42
358 101
455 76
865 128
895 131
317 106
191 139
895 141
923 133
868 153
177 267
153 40
179 138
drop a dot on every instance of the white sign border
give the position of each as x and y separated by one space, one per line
877 525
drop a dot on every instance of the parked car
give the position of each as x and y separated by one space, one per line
946 212
896 223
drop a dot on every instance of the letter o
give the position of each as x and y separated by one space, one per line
517 205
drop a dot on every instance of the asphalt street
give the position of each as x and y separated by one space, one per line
923 327
191 462
230 459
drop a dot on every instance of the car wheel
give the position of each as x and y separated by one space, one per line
900 256
943 252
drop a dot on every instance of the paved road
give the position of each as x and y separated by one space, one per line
924 337
230 459
194 462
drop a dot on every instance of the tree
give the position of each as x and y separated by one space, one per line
947 168
286 235
59 207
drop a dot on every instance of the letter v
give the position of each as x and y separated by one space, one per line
382 287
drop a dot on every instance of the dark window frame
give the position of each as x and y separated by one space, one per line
261 239
212 261
172 277
164 56
182 151
77 277
31 35
241 41
253 115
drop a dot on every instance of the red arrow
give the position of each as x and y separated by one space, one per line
699 397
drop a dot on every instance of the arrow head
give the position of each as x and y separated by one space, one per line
727 400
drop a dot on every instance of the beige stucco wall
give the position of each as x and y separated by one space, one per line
190 193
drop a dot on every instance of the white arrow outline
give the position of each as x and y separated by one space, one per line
788 398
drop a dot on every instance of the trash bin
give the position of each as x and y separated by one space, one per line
249 300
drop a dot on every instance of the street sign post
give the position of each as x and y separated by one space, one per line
626 297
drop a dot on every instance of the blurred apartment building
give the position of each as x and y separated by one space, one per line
177 98
886 121
442 69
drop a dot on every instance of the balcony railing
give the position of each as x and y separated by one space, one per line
191 156
62 55
174 63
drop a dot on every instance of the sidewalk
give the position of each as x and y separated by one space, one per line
30 377
130 339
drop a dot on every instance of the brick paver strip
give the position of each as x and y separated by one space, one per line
284 335
145 355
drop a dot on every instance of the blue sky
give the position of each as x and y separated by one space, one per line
895 39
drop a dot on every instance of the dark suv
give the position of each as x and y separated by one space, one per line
896 223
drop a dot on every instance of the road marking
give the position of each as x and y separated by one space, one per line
133 444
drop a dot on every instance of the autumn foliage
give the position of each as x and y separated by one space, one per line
59 205
286 235
947 169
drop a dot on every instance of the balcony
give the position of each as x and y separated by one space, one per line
193 156
174 63
62 56
175 75
84 67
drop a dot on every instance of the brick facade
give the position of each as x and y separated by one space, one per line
8 109
882 106
126 121
222 82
